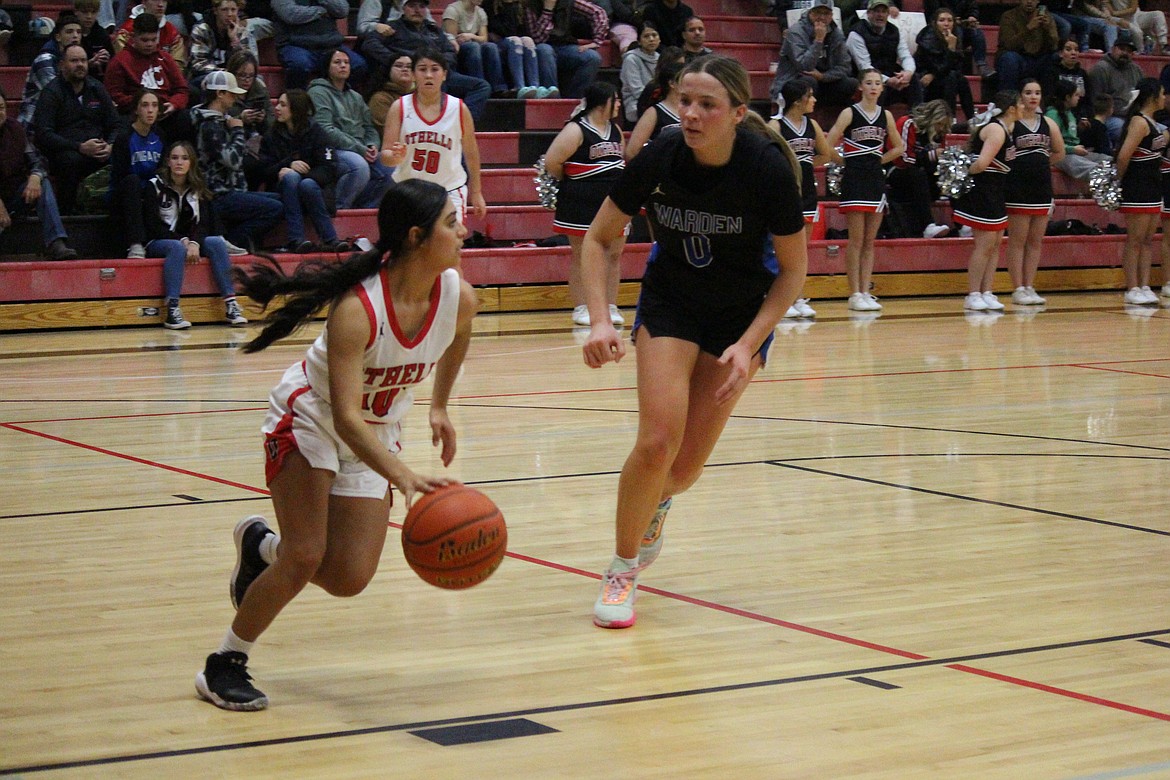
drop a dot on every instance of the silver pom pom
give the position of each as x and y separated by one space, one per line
546 186
833 176
954 172
1104 187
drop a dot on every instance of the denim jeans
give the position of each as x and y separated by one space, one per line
472 91
482 60
301 195
302 65
578 69
362 184
247 216
1014 67
46 206
521 62
546 65
175 264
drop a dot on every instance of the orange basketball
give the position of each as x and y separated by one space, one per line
454 537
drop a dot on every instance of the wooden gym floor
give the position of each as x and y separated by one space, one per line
928 545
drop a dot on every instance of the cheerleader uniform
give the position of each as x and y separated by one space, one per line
1141 186
590 172
1166 183
1028 189
803 141
665 118
983 208
863 182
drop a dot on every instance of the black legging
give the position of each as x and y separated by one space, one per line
951 87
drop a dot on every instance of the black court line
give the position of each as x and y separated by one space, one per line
885 686
989 502
1157 642
95 510
487 731
586 705
186 497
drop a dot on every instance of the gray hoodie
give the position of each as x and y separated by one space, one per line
637 71
344 117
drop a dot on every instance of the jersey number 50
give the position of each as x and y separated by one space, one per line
425 161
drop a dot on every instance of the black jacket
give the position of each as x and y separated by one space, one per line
934 56
64 120
168 214
279 149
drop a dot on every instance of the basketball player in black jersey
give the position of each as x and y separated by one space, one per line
713 191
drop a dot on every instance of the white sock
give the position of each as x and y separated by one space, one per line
269 546
623 564
233 644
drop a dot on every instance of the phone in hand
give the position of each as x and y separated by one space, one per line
1041 9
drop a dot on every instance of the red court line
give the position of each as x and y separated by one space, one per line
136 416
1121 371
677 596
1061 692
134 459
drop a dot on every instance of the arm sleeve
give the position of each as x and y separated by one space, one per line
336 9
369 14
289 12
597 19
858 51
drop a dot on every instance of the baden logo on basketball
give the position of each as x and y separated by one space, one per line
454 537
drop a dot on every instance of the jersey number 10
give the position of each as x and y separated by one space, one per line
425 161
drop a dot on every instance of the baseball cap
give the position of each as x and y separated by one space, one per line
1125 38
418 2
877 4
221 80
821 4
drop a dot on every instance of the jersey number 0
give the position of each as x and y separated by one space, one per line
698 250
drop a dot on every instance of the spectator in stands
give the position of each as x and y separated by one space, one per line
376 15
1123 16
694 38
467 23
876 43
1027 193
134 161
245 216
638 67
1138 163
215 40
670 62
1151 23
346 120
383 43
1096 135
143 65
299 164
1070 21
939 61
181 224
44 67
1079 160
532 66
306 35
1098 18
170 39
254 107
972 41
815 48
1067 69
95 40
75 125
25 187
871 141
623 29
913 187
664 112
669 17
258 16
1117 75
1027 41
552 22
400 82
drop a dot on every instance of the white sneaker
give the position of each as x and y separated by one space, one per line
873 302
1151 296
936 231
232 249
1020 297
615 316
860 301
992 302
965 231
974 302
136 252
1166 290
614 607
802 306
1135 296
581 315
1036 299
793 313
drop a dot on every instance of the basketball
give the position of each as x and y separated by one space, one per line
454 537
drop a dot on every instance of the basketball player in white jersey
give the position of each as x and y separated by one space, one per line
398 314
429 134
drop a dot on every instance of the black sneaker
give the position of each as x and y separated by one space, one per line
249 533
225 682
234 314
174 319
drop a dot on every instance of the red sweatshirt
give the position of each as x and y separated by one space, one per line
129 71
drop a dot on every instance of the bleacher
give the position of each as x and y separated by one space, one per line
106 289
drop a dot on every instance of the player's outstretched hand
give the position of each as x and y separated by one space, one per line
738 359
443 432
604 344
411 484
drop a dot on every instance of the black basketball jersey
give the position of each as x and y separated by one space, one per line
665 118
710 224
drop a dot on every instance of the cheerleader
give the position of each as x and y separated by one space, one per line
1138 166
664 113
982 208
1028 192
587 156
808 143
867 130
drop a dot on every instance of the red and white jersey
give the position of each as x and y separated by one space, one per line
434 150
393 363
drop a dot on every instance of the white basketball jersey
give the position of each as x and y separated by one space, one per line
434 150
393 363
